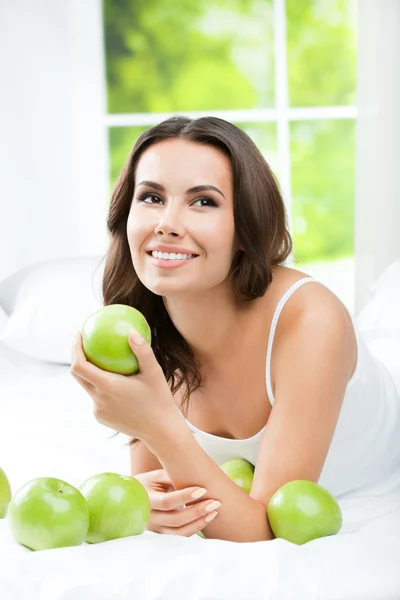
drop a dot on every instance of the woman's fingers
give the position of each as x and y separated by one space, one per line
173 500
184 516
176 512
186 530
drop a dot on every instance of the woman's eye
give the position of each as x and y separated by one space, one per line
209 201
143 198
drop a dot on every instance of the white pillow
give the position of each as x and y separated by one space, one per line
381 316
48 303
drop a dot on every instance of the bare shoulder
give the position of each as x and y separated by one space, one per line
312 299
313 307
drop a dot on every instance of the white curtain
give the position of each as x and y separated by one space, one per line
53 142
377 204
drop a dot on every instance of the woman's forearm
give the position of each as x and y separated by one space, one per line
240 518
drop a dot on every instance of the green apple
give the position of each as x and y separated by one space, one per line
48 513
241 471
5 494
301 511
105 338
119 506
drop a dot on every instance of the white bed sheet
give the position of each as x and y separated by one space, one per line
47 429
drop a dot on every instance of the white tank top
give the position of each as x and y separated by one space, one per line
362 468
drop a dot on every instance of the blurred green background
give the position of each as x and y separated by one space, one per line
207 55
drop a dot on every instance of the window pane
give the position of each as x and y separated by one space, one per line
322 189
321 52
186 55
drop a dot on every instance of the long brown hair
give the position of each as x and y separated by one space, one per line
260 227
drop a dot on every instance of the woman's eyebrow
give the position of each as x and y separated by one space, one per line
192 190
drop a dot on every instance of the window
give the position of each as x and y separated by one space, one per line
285 72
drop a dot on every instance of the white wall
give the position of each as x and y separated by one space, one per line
377 205
53 142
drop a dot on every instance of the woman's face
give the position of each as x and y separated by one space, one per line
164 211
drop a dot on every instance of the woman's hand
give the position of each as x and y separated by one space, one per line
174 512
139 405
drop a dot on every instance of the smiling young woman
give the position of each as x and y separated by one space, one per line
265 362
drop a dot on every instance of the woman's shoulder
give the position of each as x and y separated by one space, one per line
317 307
311 298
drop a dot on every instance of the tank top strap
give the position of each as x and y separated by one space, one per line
274 322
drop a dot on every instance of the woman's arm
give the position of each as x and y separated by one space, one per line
240 518
142 460
312 370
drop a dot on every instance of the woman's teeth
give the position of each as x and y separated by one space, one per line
171 256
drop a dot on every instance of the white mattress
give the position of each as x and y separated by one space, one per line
47 429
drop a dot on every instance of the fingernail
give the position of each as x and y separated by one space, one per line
212 506
210 517
136 337
199 493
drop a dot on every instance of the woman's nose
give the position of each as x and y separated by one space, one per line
170 223
167 231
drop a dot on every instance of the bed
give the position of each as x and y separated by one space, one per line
47 429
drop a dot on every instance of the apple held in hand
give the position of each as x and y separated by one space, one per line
301 511
241 471
119 506
5 494
48 513
105 338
